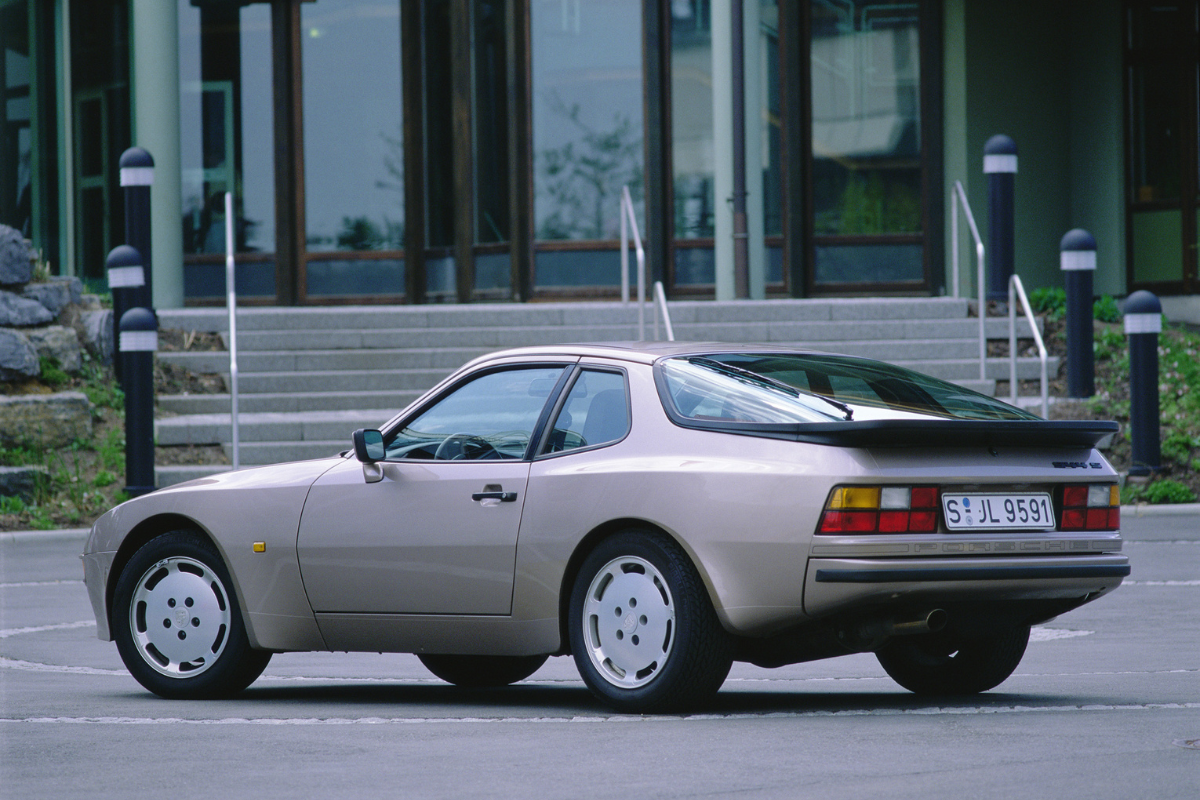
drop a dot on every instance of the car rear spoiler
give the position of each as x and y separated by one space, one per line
924 432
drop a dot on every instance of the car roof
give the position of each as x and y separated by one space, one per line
640 352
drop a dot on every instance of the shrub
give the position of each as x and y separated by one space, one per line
1168 491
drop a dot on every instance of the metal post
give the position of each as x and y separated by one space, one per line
231 298
741 249
125 277
139 340
1000 165
1077 257
137 175
1143 323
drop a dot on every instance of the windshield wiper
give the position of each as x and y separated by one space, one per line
721 366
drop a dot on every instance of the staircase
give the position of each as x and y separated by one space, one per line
310 376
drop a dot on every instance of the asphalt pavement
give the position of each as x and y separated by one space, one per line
1106 704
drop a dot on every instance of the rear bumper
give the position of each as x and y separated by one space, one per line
834 585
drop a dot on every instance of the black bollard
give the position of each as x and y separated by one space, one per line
1077 257
139 340
137 175
125 276
1000 165
1143 323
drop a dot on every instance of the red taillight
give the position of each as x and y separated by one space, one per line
880 509
1094 507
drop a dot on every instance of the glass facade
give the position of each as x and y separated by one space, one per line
1164 124
16 137
353 147
586 98
866 140
226 145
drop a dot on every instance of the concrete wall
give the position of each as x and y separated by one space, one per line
1049 76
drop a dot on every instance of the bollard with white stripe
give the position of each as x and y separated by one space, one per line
137 343
1143 323
1000 166
125 274
1077 257
137 175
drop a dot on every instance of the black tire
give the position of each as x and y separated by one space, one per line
177 622
476 672
941 665
642 628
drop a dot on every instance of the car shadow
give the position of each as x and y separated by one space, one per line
540 700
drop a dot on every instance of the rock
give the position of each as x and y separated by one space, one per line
48 420
16 258
18 358
21 312
96 331
55 294
58 343
21 482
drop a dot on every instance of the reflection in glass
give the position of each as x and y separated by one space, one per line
587 115
16 205
692 125
865 117
353 149
226 125
771 116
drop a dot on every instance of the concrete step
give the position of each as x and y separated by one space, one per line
265 427
253 453
339 381
497 315
387 402
443 360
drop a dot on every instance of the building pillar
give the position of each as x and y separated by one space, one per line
155 100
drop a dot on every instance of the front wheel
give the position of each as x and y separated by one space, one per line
479 672
942 665
643 631
177 623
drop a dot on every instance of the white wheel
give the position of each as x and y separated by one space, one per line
180 617
629 622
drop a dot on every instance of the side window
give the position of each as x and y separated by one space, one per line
491 417
596 412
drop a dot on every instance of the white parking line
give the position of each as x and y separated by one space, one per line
25 584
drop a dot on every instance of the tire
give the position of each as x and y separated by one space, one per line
477 672
177 623
939 665
643 631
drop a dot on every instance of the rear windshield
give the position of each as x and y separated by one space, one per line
797 388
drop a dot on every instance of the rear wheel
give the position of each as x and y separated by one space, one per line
177 623
643 631
482 671
940 664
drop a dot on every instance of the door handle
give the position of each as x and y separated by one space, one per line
503 497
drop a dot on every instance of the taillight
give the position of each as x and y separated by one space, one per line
1091 507
880 509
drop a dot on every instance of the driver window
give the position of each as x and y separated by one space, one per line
596 412
491 417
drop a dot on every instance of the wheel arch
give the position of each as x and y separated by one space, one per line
592 540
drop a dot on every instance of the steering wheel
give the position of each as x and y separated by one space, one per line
464 447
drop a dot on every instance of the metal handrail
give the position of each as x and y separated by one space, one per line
628 219
231 296
660 301
1016 288
958 193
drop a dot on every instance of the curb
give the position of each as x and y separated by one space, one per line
1176 509
57 533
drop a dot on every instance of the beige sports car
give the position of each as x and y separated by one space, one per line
656 511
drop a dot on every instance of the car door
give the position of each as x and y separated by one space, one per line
438 533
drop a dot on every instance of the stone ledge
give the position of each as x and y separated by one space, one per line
50 420
21 482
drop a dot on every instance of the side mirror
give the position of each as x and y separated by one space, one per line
368 446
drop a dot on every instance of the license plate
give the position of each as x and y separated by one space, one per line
998 511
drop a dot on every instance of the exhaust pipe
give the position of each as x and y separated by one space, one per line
931 622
